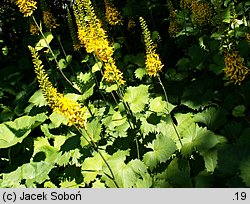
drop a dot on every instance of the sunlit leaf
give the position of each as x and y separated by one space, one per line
137 97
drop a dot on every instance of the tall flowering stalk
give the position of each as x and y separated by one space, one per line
73 32
75 114
95 40
153 62
27 7
235 69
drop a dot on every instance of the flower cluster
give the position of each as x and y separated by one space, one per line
235 69
173 25
75 114
201 12
186 4
34 30
95 40
131 24
27 7
48 18
153 62
113 16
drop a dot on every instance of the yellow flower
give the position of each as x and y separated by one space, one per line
34 30
75 114
95 40
153 62
26 7
113 16
173 26
131 24
49 20
201 12
186 4
112 73
235 69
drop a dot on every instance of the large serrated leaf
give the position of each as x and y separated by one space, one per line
92 166
198 138
137 97
140 72
32 173
38 99
14 132
158 105
244 171
212 117
163 148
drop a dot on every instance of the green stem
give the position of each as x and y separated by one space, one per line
94 145
47 44
166 97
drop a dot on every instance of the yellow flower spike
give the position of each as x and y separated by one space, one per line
235 69
95 40
153 62
202 13
27 7
112 14
75 114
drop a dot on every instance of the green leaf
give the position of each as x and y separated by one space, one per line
163 148
97 67
15 131
197 138
98 184
69 58
38 99
118 119
57 119
178 173
92 166
42 147
5 50
137 97
140 73
94 130
158 105
212 117
43 43
32 173
239 110
134 174
244 171
62 64
210 158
